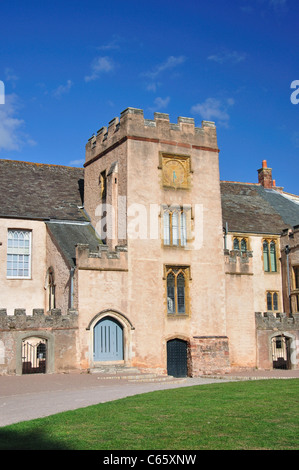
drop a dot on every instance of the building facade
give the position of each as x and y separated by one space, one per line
144 258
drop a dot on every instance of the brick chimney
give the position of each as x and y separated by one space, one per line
265 176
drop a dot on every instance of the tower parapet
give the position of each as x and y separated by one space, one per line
132 125
103 259
37 320
238 262
278 321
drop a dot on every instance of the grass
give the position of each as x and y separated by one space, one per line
253 415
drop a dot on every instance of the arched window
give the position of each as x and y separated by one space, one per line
269 255
236 244
273 256
243 245
177 283
51 289
240 244
170 293
266 256
272 301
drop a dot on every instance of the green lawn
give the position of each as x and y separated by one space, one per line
260 414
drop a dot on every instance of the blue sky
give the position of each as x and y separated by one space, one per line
71 66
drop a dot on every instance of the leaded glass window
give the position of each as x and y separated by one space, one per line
269 255
266 256
243 245
272 301
177 282
170 293
236 244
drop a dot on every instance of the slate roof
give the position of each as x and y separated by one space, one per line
40 191
250 208
67 235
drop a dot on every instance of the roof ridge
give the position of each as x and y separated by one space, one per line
239 182
41 164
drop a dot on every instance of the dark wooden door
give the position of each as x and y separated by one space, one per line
177 358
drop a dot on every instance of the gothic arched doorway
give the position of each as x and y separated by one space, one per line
108 341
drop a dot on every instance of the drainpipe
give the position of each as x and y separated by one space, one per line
72 287
287 251
225 235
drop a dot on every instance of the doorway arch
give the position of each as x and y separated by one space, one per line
281 352
127 334
177 357
108 340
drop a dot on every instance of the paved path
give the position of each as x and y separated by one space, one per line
28 397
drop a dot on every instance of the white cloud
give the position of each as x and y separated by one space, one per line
112 45
170 63
10 76
228 56
11 135
212 109
62 89
99 66
160 103
77 162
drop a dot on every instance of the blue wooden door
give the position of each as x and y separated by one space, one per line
108 340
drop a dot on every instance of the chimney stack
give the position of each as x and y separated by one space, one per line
265 176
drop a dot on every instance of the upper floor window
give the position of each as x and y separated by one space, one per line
296 277
103 186
272 301
240 244
19 254
177 282
175 227
269 256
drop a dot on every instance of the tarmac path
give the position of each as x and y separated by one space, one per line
28 397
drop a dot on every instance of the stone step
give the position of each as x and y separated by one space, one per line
158 379
131 374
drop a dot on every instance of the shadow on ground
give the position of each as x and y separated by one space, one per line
21 440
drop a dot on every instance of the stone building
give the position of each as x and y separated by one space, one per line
144 258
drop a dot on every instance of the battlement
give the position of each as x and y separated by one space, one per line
132 124
37 320
238 262
103 259
279 321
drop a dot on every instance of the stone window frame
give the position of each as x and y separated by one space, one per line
272 293
183 231
270 241
240 239
176 270
295 276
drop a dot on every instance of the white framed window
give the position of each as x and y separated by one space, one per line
174 227
19 254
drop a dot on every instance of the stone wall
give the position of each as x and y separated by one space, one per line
60 332
268 326
209 355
